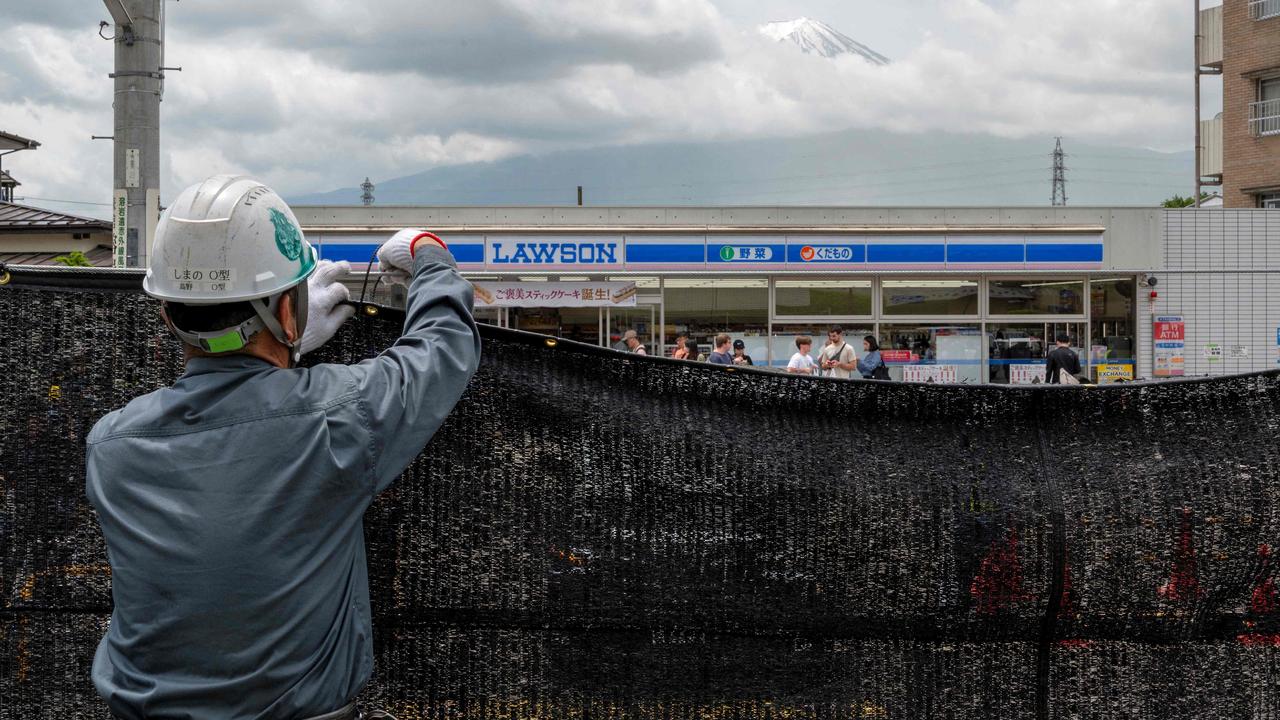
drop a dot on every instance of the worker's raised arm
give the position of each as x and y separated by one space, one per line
409 389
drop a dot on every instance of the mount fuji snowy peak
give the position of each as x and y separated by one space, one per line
819 38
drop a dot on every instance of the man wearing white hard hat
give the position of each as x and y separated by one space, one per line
232 502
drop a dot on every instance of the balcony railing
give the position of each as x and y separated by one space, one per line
1263 9
1264 118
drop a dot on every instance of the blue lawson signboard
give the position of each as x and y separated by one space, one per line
745 253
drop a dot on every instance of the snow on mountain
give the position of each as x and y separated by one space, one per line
817 37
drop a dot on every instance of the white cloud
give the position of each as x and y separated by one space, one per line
309 97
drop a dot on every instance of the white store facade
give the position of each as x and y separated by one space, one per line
969 295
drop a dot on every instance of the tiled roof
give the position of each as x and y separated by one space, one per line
99 257
6 178
9 141
14 217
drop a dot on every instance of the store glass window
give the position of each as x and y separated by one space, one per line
1016 351
822 298
933 353
929 297
705 307
783 341
1112 341
581 324
1035 297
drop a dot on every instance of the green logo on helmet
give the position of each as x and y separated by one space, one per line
288 239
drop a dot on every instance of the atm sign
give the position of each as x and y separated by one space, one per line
827 253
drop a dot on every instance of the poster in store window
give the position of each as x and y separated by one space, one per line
930 373
1026 374
1169 340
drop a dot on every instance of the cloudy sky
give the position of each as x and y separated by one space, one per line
311 95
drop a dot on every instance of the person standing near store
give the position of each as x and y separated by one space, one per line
1062 359
871 365
682 349
632 340
740 356
691 352
721 355
837 359
801 363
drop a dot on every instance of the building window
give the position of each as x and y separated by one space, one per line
1263 9
1264 115
1112 354
1035 297
822 298
1270 201
932 353
783 341
1016 351
704 307
929 297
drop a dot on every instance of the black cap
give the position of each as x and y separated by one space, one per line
738 345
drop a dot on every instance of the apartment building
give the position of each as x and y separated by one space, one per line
1240 148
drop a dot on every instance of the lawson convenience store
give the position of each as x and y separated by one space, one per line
971 304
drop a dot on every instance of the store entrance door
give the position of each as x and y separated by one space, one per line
1016 351
643 318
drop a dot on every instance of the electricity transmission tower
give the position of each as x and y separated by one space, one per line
1059 175
367 196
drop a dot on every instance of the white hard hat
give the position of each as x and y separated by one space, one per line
227 239
230 239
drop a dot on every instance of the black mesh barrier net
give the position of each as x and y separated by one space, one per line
595 535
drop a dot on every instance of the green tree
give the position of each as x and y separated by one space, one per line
75 258
1177 201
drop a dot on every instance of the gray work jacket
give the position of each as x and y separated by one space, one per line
232 508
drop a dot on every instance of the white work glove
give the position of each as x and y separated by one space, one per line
325 314
395 257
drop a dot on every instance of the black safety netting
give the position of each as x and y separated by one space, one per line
599 535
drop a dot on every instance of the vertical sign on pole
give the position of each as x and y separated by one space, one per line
1169 337
119 227
132 167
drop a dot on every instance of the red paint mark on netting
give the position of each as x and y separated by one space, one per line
998 583
1263 599
1258 640
1074 643
1184 578
1066 603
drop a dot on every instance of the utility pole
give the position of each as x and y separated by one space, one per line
1199 145
139 84
1059 175
366 196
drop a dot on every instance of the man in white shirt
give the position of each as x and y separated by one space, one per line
837 359
801 363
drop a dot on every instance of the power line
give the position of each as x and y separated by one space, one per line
24 198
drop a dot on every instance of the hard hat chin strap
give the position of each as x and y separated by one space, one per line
266 308
235 338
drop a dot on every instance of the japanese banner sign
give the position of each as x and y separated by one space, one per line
555 294
1026 373
929 373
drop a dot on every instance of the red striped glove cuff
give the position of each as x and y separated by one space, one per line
413 244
